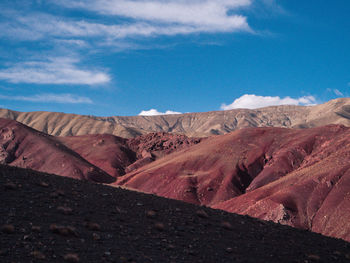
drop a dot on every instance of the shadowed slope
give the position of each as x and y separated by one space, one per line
74 221
296 177
190 124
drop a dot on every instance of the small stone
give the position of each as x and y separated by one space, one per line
229 250
151 214
159 226
36 228
63 230
43 184
8 229
227 225
10 186
314 257
65 210
38 255
93 226
70 257
202 214
57 193
96 236
107 253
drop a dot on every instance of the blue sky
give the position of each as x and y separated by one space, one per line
126 57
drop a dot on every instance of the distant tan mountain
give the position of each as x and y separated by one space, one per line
191 124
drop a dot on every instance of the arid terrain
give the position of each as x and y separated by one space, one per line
189 124
47 218
297 177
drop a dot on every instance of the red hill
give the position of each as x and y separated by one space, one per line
296 177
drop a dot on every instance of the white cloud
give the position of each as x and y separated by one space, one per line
55 98
153 112
149 18
190 15
251 101
335 91
53 71
338 92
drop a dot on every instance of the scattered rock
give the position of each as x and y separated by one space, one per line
65 210
63 230
57 193
38 255
44 184
96 236
8 229
10 186
71 257
36 228
314 257
93 226
151 213
159 226
202 214
227 225
229 250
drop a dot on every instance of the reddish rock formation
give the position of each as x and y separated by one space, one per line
95 157
296 177
25 147
108 152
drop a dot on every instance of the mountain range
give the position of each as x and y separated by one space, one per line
294 176
190 124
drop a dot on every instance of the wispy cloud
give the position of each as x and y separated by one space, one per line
251 101
51 98
171 17
338 92
53 71
154 112
148 19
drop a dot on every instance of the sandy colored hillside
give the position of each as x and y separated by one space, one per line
190 124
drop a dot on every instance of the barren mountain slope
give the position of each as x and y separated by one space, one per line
99 157
190 124
296 177
75 221
25 147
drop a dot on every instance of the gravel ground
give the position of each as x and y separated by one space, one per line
47 218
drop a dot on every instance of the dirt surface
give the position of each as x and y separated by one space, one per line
47 218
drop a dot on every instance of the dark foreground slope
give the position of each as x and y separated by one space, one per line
47 218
